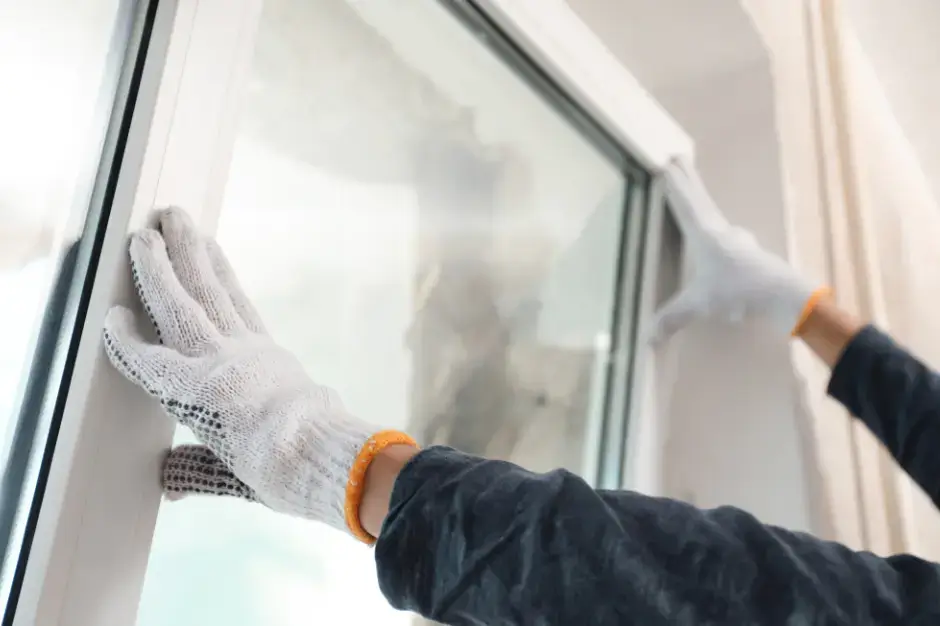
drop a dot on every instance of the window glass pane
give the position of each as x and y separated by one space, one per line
59 66
434 240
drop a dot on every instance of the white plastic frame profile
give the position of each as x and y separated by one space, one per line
563 46
642 468
92 539
89 556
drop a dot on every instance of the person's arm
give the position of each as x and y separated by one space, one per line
471 541
466 540
891 391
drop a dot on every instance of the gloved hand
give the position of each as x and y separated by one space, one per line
733 276
289 441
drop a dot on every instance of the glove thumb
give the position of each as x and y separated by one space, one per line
192 469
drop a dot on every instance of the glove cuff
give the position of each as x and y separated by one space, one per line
819 295
355 485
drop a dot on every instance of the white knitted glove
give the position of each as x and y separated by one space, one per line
290 441
733 276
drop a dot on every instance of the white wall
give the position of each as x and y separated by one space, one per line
900 40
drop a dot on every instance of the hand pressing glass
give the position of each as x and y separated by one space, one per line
270 433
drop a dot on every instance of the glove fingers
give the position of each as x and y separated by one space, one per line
192 469
181 322
143 363
691 205
227 277
186 249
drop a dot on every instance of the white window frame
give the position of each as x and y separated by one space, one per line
93 534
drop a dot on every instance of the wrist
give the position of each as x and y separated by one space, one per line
380 480
827 329
371 478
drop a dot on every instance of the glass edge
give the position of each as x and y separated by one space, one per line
488 31
624 329
63 321
646 302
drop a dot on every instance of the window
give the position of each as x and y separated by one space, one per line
59 67
435 204
436 241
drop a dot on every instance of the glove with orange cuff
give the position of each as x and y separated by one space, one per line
733 276
270 433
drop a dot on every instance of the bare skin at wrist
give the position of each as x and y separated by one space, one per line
828 330
380 479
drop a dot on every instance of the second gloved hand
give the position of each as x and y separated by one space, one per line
289 441
733 276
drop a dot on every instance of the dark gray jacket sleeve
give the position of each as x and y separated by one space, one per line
476 541
898 398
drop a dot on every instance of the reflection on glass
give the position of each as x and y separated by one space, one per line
434 241
58 61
